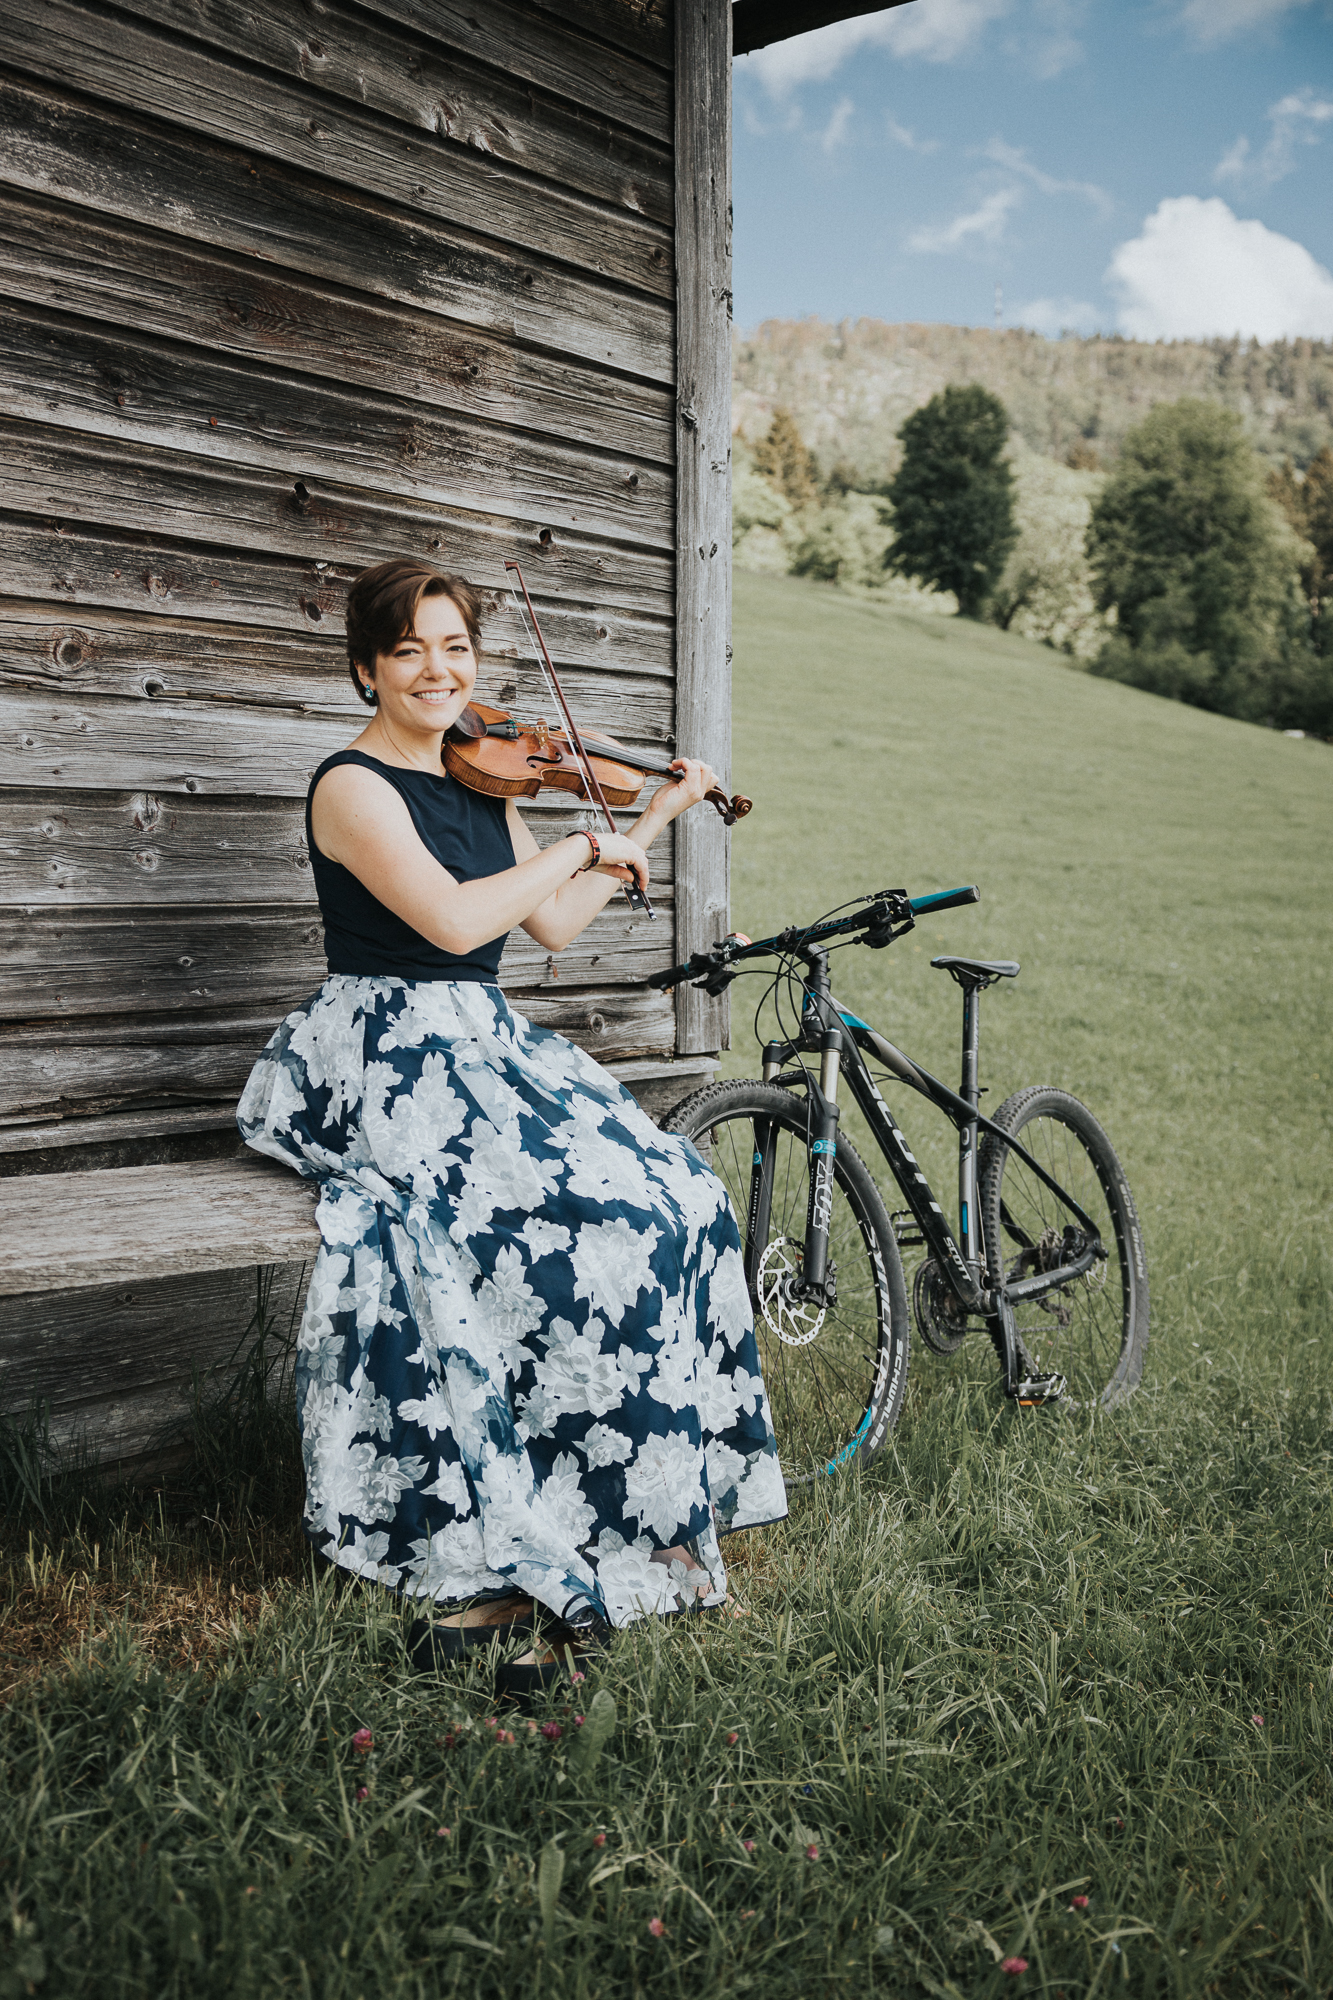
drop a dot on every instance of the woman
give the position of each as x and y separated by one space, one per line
527 1367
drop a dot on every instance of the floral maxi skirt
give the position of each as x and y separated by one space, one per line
527 1360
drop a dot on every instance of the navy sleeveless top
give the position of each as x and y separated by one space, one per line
465 831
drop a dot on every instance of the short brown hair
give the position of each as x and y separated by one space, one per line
382 608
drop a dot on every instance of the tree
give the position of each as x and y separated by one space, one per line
782 458
1308 505
1202 572
952 497
1045 592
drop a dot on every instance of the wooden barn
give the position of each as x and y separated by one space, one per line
291 286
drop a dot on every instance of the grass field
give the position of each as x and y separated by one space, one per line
1046 1688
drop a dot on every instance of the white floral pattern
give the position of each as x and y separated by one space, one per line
527 1360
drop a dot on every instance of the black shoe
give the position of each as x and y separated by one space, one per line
430 1646
576 1651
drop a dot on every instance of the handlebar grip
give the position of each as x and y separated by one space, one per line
675 977
943 899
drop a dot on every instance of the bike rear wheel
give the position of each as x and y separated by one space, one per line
835 1374
1093 1331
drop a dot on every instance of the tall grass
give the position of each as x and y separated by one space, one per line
1020 1661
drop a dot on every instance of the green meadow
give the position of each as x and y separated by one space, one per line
1033 1687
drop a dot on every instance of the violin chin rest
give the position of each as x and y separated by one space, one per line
467 727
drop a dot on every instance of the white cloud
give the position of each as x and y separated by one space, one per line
1055 316
835 131
986 223
936 30
1219 20
903 135
1018 162
1195 269
1297 120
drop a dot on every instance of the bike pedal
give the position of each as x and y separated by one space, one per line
1035 1390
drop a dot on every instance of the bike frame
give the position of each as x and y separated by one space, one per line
974 1269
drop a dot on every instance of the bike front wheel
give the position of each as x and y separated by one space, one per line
835 1373
1094 1330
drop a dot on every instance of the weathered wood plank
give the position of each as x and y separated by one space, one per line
65 963
111 163
422 81
643 26
114 1362
96 1068
703 489
517 40
61 848
110 745
104 744
140 573
41 650
215 299
61 476
143 1223
74 375
68 1079
118 60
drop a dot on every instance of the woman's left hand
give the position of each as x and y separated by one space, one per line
693 784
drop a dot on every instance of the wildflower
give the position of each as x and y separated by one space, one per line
578 1679
733 1739
551 1730
1258 1721
1013 1966
808 1790
749 1846
504 1736
1078 1902
812 1852
362 1793
363 1742
443 1832
532 1727
656 1928
746 1916
492 1722
252 1890
579 1721
599 1840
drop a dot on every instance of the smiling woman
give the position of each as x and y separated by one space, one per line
528 1373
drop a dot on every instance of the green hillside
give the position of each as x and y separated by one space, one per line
849 386
1164 876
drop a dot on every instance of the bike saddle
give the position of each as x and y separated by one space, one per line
978 971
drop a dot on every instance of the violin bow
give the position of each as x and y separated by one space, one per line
596 796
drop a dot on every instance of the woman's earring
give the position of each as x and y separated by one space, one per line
368 692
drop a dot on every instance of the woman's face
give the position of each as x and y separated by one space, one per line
426 680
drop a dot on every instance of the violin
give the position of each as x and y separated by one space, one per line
493 753
489 751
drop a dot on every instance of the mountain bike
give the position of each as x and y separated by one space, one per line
1048 1247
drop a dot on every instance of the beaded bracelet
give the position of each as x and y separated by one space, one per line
596 847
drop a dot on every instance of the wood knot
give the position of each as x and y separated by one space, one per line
597 1024
545 538
71 649
147 860
145 811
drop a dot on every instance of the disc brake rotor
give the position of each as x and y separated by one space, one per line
794 1321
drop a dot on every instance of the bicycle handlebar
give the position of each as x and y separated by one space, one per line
944 899
887 915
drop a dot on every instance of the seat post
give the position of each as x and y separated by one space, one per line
969 1233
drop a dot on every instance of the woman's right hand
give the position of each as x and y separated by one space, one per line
623 859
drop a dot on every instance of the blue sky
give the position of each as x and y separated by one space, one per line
1159 167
